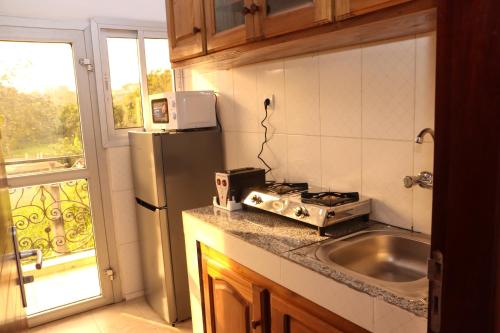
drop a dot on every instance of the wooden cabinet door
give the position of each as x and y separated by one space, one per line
229 23
278 17
186 29
232 304
291 313
236 299
348 8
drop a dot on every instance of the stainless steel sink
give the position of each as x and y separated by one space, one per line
393 259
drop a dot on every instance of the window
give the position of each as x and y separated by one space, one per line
159 75
125 82
39 118
132 65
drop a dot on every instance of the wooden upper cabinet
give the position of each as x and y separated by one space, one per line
229 23
229 33
345 9
278 17
186 29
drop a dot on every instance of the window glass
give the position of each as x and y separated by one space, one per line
276 6
159 70
124 70
228 14
39 112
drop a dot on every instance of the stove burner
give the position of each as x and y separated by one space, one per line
329 199
287 188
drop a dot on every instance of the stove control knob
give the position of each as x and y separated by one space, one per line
301 212
256 199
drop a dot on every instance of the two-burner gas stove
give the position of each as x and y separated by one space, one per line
309 205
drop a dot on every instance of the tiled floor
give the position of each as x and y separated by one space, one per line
133 316
58 289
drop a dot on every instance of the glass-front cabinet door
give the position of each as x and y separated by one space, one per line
229 23
279 6
277 17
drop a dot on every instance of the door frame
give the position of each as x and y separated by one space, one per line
96 172
466 200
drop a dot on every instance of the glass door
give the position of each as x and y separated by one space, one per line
51 163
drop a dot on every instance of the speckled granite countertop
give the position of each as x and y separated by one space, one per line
292 240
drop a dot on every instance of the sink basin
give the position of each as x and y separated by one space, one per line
393 259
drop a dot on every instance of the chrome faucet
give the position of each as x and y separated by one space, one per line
420 137
424 179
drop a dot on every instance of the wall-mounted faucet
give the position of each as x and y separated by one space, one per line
425 179
420 137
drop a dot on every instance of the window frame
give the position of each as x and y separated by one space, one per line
102 29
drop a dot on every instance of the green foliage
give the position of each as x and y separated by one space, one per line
160 82
38 124
127 104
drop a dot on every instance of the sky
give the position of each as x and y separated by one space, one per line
36 67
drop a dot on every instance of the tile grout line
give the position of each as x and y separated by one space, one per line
282 64
287 178
361 116
318 77
414 129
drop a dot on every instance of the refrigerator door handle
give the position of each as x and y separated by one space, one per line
148 205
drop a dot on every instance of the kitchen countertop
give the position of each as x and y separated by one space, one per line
290 239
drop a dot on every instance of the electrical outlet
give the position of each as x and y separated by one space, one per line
271 98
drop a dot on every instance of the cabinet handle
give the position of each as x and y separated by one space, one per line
254 9
196 30
255 323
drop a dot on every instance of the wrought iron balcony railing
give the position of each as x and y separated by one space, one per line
55 218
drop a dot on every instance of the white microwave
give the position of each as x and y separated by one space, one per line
183 110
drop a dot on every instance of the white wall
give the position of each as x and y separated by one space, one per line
150 10
344 120
125 222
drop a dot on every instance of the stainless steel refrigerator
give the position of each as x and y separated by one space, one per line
173 171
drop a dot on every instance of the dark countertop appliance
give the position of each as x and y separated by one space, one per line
231 184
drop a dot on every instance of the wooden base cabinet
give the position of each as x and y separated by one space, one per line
238 300
232 303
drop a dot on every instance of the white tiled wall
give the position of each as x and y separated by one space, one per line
124 218
345 120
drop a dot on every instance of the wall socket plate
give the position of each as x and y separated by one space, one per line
271 98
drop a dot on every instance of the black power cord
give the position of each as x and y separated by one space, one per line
267 102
